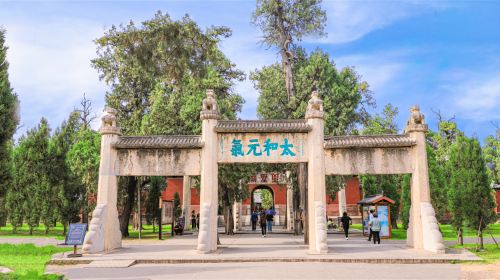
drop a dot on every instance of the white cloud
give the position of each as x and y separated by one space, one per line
50 67
477 99
243 50
351 20
378 69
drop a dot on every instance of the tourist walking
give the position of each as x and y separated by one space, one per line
375 228
198 221
270 218
263 220
370 218
193 220
346 221
254 219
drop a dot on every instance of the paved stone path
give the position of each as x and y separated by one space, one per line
38 241
244 271
275 247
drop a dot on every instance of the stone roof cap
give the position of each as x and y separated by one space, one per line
299 125
159 142
369 141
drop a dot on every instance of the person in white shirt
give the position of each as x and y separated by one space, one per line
370 218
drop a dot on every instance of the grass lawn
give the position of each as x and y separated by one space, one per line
56 232
491 252
148 233
27 260
447 231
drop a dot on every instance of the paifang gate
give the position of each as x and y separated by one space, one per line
270 141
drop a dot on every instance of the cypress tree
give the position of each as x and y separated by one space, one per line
17 192
469 194
8 123
62 179
32 177
405 200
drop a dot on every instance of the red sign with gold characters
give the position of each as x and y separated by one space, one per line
268 178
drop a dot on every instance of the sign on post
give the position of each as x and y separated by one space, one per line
75 236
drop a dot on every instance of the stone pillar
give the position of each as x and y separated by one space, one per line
104 231
186 201
207 237
237 215
316 193
423 230
342 201
289 207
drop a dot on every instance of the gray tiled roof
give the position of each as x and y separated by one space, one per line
263 126
369 141
159 142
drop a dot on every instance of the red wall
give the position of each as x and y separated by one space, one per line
278 190
498 200
175 185
353 195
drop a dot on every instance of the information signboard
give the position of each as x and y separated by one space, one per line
383 216
76 234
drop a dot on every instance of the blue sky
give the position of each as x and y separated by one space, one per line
441 55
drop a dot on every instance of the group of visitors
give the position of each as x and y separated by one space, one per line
265 219
195 221
373 224
375 227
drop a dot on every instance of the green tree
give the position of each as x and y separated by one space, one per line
437 185
154 188
267 198
158 73
345 96
405 200
177 205
69 187
31 163
231 179
284 22
389 185
17 192
8 123
491 152
83 160
469 194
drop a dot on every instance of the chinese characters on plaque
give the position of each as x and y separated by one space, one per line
267 148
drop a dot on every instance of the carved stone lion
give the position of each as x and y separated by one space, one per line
109 117
209 103
315 103
416 117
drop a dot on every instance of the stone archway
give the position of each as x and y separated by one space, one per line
253 204
262 141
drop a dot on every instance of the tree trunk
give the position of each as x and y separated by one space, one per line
394 223
481 241
129 204
228 219
64 228
302 182
460 237
31 230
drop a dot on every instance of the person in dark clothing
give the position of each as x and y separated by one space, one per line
263 222
346 221
270 218
198 221
193 220
254 219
